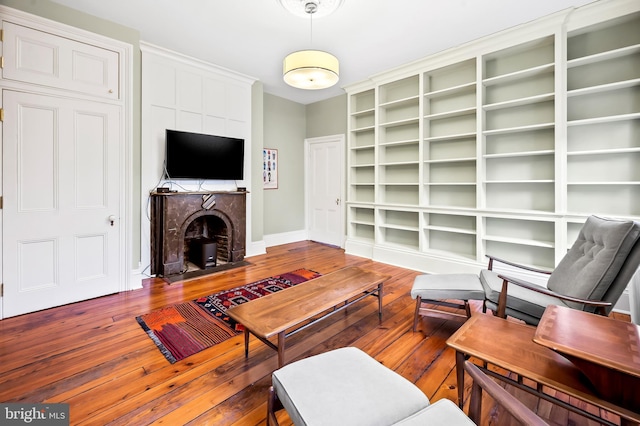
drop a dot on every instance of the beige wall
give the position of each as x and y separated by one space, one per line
328 117
284 130
286 125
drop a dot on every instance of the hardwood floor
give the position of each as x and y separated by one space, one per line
94 355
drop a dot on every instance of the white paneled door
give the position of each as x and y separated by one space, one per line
61 201
325 189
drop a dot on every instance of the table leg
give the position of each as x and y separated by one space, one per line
281 337
460 358
380 288
246 342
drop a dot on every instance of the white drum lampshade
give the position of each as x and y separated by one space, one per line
311 69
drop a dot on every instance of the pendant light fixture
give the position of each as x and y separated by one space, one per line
310 69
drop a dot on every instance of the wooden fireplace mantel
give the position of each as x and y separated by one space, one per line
180 193
173 212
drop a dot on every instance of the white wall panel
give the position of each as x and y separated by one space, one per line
90 153
237 107
37 173
90 69
46 274
236 129
216 125
190 91
214 98
161 118
36 56
161 89
190 121
89 263
39 57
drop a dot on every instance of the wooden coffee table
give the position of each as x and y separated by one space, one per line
297 307
510 345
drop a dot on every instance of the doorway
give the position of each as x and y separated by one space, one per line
62 189
325 189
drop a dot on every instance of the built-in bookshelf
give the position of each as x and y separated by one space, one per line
449 137
501 146
399 228
398 146
529 241
603 117
361 220
451 234
362 147
519 104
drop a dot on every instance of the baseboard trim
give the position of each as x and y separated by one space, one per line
255 248
285 238
135 279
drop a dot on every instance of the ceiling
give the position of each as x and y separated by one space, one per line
368 36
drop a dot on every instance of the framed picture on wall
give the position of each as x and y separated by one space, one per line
270 162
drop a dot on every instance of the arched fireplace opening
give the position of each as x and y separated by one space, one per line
206 242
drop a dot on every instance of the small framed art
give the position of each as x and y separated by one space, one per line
270 162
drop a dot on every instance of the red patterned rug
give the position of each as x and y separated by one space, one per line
187 328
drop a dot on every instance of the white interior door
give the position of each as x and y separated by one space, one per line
61 184
325 189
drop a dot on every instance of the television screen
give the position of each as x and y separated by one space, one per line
199 156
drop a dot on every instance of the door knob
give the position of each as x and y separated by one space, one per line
112 219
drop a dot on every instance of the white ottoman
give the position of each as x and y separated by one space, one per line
348 387
438 289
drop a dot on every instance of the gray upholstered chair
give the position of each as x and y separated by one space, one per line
591 277
348 387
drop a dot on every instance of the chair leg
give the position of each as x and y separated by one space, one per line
416 315
273 405
467 308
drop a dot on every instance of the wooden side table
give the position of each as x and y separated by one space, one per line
606 350
510 345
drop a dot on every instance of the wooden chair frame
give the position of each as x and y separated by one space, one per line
503 398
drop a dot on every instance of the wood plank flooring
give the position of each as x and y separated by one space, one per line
94 355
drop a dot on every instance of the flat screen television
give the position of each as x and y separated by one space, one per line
200 156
